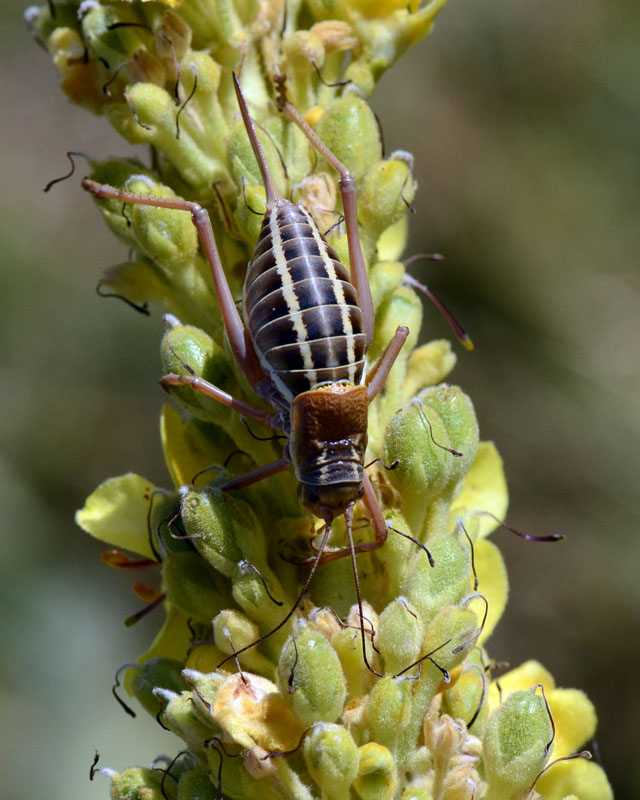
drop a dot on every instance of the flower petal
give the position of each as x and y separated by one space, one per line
116 512
579 778
493 583
185 450
575 720
484 489
523 677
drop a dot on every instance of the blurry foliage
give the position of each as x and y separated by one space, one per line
527 148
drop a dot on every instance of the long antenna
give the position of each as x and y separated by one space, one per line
273 195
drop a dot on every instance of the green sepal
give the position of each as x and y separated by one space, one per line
242 162
310 676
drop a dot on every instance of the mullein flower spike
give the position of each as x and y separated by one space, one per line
385 693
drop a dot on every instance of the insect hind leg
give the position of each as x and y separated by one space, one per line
239 340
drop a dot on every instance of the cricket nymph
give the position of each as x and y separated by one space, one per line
302 314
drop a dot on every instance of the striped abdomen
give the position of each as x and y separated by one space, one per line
300 307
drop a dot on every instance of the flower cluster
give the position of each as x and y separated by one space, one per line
377 692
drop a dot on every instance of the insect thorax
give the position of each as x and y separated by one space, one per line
327 445
300 306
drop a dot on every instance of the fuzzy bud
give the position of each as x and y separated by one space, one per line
377 779
310 677
516 742
332 759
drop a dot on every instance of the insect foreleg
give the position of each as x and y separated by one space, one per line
347 185
380 528
378 375
239 341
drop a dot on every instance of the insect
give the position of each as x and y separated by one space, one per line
308 324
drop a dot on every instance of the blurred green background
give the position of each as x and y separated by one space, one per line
524 119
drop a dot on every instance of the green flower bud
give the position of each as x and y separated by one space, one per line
117 172
420 437
205 691
428 365
516 743
165 234
349 129
332 759
377 779
163 673
428 588
209 522
256 592
403 307
384 278
150 115
244 166
234 631
347 643
400 635
226 532
184 344
310 676
385 192
455 626
137 783
185 716
388 710
191 584
416 794
196 783
467 699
